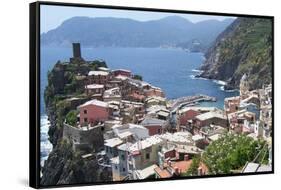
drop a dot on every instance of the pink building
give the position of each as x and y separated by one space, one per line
231 104
154 91
122 72
187 114
154 126
93 112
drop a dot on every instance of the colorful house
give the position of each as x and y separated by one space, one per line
98 77
93 112
154 126
122 72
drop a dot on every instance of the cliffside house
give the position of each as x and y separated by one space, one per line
122 72
237 120
142 155
158 111
155 100
154 91
110 146
130 132
154 126
187 113
93 112
112 94
177 168
231 104
210 118
98 77
95 90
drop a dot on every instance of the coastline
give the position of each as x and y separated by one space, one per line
45 145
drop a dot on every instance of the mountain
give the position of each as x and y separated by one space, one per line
122 32
245 47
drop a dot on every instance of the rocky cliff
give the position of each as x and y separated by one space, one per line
244 47
65 166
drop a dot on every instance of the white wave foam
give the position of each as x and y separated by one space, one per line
197 70
220 82
45 145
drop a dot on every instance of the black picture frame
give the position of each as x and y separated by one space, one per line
34 90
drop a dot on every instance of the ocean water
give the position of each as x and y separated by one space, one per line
173 70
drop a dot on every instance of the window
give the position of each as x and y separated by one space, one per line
123 157
124 169
85 111
159 131
85 119
147 156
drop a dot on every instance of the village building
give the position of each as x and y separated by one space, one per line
112 94
130 132
105 69
241 121
93 112
212 132
95 90
154 126
143 155
154 91
133 111
155 100
177 146
210 118
110 146
122 72
158 111
231 104
177 168
98 77
187 113
136 158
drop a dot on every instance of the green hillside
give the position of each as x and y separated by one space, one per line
244 47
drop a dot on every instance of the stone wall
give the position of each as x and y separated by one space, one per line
84 138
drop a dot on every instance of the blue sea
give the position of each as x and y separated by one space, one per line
173 70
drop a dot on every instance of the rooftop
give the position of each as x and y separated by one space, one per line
196 108
103 73
148 142
121 77
103 69
255 167
180 137
152 121
209 115
113 142
162 173
124 70
94 86
94 102
146 172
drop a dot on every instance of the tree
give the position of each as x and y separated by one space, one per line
137 77
231 152
71 117
193 169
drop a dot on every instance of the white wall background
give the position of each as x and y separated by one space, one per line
14 39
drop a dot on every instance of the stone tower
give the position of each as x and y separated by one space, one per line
244 86
76 50
77 58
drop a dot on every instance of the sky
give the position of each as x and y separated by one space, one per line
52 16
